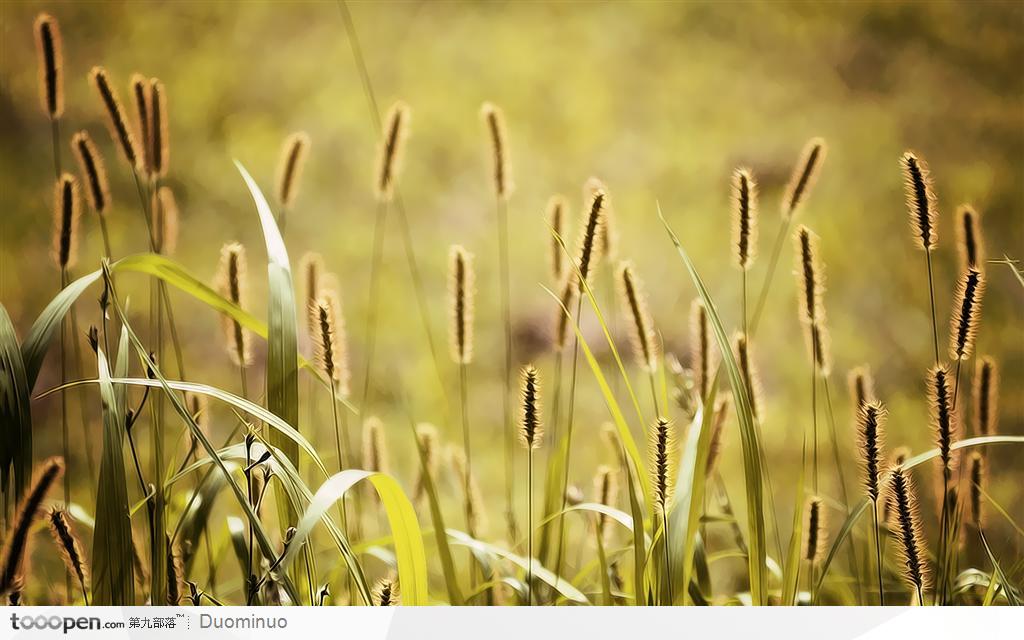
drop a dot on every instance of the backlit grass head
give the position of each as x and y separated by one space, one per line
494 123
815 534
461 291
963 328
290 166
985 395
645 343
231 281
120 131
970 242
661 449
921 201
49 48
870 441
805 175
389 155
66 210
329 340
531 428
907 525
744 219
92 170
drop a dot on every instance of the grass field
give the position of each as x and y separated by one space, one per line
371 303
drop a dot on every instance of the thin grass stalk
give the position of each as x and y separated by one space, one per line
560 540
501 206
370 327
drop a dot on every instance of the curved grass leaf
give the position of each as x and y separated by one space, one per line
751 447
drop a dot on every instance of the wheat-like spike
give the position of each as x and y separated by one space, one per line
461 290
93 170
609 236
65 221
966 314
944 416
702 352
116 121
896 458
389 154
428 438
744 218
531 428
805 174
49 46
862 386
232 281
908 529
494 121
562 319
68 544
589 245
329 339
815 534
986 397
375 449
159 136
745 360
717 430
385 593
143 98
978 476
661 450
921 200
810 275
289 167
556 216
970 241
473 500
606 487
17 537
165 221
645 344
174 574
870 441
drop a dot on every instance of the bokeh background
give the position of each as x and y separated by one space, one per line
660 100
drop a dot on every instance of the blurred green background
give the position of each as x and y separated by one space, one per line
660 100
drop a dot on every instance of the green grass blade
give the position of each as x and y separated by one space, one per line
791 571
15 413
113 581
405 530
748 433
1008 589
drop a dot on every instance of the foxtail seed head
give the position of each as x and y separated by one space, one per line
661 450
701 349
645 344
976 464
556 217
494 121
231 280
970 241
159 135
920 200
966 314
805 174
67 543
461 290
65 221
986 396
50 49
907 523
375 451
17 537
748 370
329 338
815 535
143 97
389 156
744 218
870 441
290 166
945 418
93 171
116 121
385 593
531 430
862 386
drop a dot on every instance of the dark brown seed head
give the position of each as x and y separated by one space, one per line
897 458
17 537
870 441
744 218
461 290
606 488
645 344
67 543
701 350
920 200
556 217
907 523
330 352
815 536
531 430
289 167
143 98
944 417
231 280
609 235
661 450
49 48
116 121
159 135
745 362
805 174
494 121
966 314
986 397
65 221
970 242
810 276
389 156
375 449
93 171
589 245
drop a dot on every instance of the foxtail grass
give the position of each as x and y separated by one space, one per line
645 345
69 547
461 291
701 347
744 230
385 593
986 397
964 322
661 451
907 522
17 537
970 242
289 173
531 434
870 439
921 203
